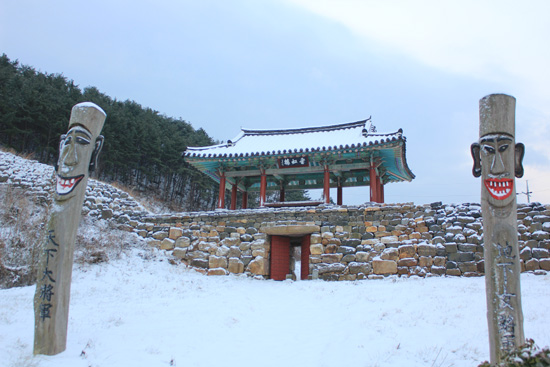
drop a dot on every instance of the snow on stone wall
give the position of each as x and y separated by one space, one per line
348 243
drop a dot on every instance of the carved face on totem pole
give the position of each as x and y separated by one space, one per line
78 149
497 158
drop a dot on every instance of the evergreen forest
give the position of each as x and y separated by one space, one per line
142 148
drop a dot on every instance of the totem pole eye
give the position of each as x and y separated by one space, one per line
502 148
489 149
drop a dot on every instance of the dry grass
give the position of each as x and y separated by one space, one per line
23 225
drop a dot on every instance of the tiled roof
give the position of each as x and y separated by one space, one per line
270 142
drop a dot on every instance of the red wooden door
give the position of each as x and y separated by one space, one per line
280 257
304 260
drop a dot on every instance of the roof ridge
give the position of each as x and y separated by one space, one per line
301 130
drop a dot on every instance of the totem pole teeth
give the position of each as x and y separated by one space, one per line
67 184
499 188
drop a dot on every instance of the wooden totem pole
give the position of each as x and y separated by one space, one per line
78 151
498 159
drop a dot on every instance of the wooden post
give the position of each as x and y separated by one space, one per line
282 192
381 192
234 196
78 151
498 159
373 184
263 188
339 192
245 200
326 185
221 195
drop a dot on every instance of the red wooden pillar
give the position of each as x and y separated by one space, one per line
282 193
221 195
374 185
245 200
263 188
326 185
280 257
381 193
339 192
234 196
304 259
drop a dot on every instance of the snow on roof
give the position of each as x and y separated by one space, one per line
293 140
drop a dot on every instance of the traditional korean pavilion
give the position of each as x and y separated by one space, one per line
338 156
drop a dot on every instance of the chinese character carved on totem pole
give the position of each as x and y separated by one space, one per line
498 160
78 151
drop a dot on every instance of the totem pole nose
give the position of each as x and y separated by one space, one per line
72 157
497 167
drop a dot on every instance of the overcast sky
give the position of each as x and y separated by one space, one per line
221 65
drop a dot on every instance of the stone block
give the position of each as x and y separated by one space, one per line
183 242
371 241
345 250
217 271
160 235
461 256
315 238
425 261
348 258
234 251
167 244
331 258
438 270
362 256
179 253
389 239
439 261
246 237
403 270
451 265
230 241
359 267
382 267
540 253
467 247
316 249
217 262
331 268
391 253
544 264
175 232
259 251
407 262
406 251
468 267
200 263
327 235
453 272
244 246
351 242
540 235
415 236
330 248
235 265
259 266
425 249
531 265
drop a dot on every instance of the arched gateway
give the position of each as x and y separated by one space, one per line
341 155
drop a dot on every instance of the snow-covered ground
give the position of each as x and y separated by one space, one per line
139 310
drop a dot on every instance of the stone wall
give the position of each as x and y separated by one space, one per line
347 243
